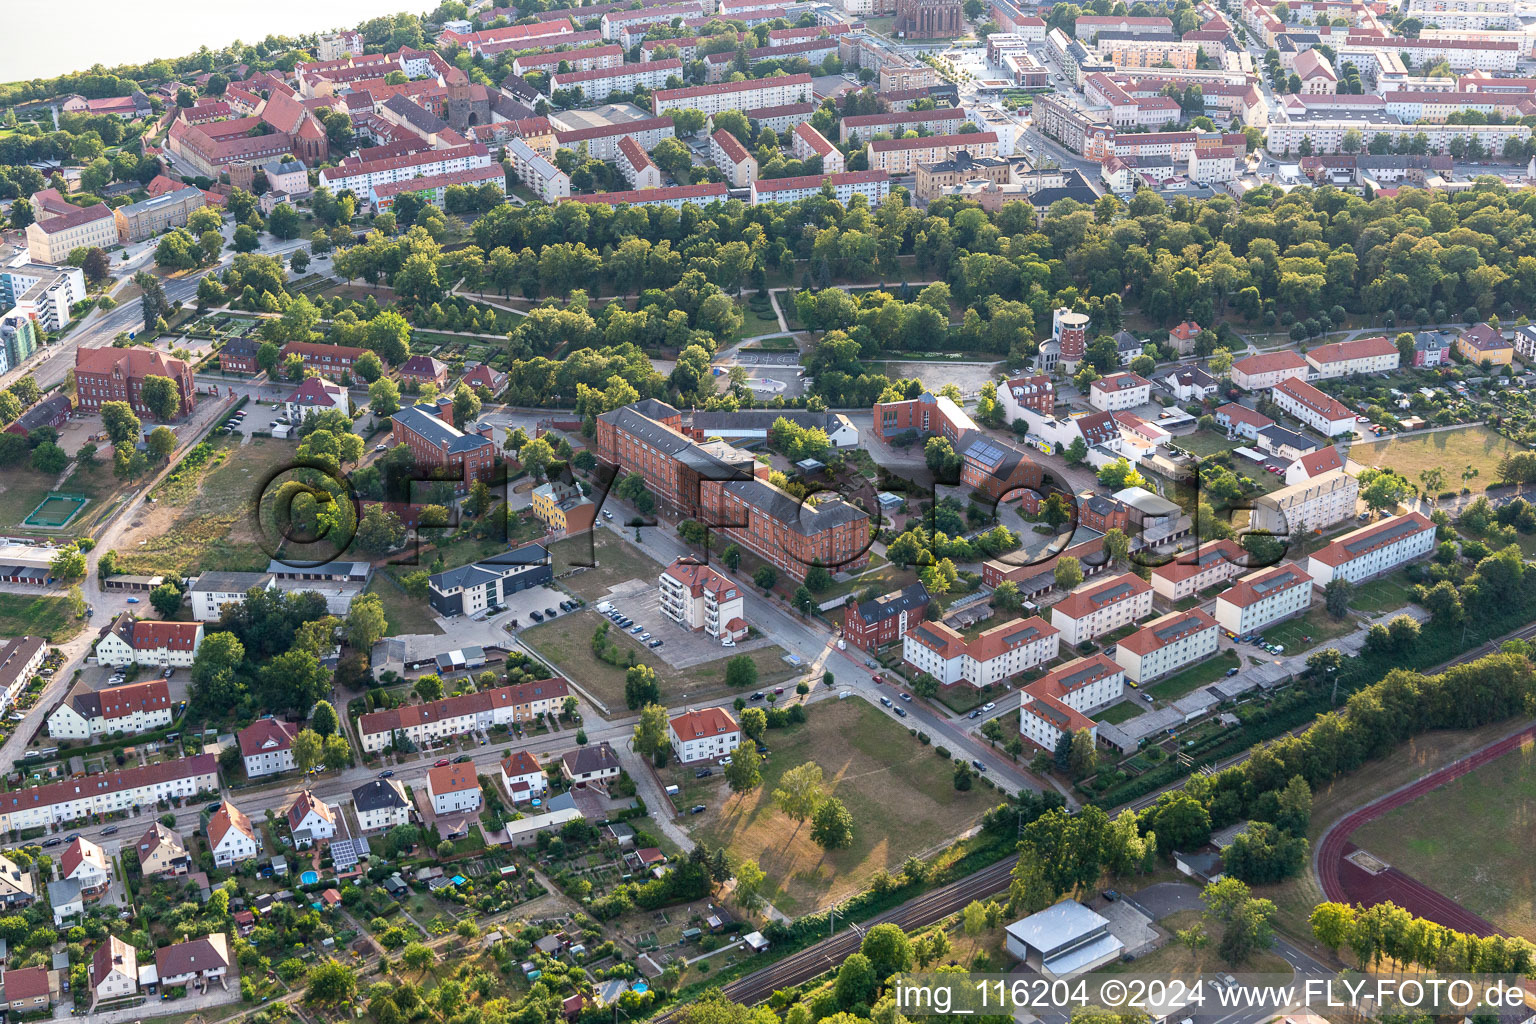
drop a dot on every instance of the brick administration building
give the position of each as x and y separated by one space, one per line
117 375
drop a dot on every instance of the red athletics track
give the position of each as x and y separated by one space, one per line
1344 882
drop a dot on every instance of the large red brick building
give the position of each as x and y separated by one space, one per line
884 620
441 448
326 360
117 375
994 466
727 489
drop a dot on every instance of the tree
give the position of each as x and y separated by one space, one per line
308 750
651 733
68 564
765 577
641 687
160 396
832 825
888 949
1083 757
331 984
324 720
161 442
1179 820
744 773
741 672
1248 921
49 458
1383 490
799 792
283 222
120 422
466 405
384 397
856 983
749 885
166 599
366 623
429 687
1336 597
338 753
1332 924
379 530
1069 572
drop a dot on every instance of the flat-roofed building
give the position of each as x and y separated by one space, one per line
1262 598
1167 644
1373 550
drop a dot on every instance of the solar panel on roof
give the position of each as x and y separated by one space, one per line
1178 628
1285 579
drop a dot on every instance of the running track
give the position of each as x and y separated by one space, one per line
1344 882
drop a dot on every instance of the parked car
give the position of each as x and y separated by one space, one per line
52 841
901 712
703 773
886 701
696 809
381 447
536 615
656 643
756 696
133 600
778 691
989 705
976 713
387 774
461 759
877 678
978 766
442 763
906 696
645 636
1231 672
549 613
607 514
110 830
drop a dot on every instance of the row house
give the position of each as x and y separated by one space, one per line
992 657
20 659
703 734
699 597
874 186
1307 506
1328 416
129 641
426 724
1165 645
674 197
938 121
1056 704
1193 571
118 710
1373 550
127 790
1260 599
899 157
1096 608
1364 355
870 625
266 746
777 90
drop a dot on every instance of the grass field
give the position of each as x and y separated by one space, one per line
22 488
1382 595
1174 960
567 644
1206 443
1117 713
880 773
50 617
608 560
1450 450
1201 674
403 613
1317 624
1489 810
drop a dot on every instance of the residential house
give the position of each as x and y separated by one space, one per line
1167 644
562 507
66 900
1036 392
453 787
129 641
872 624
1263 371
1055 705
703 734
381 804
1363 355
993 656
238 355
1241 421
310 819
127 790
1328 416
1373 550
1190 383
20 660
1432 348
1263 598
27 989
205 958
117 710
1191 572
421 370
85 863
162 852
590 764
1286 445
212 592
315 395
1100 607
114 969
700 597
18 887
428 724
266 745
1314 464
1485 343
1119 391
522 777
231 836
1307 506
482 379
1183 337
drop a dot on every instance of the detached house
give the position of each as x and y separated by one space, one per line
522 777
381 805
315 395
28 989
309 819
266 745
162 644
704 734
85 863
594 764
231 836
454 787
207 957
421 370
18 888
161 852
114 969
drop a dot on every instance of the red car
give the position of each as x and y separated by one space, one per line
877 679
779 691
444 763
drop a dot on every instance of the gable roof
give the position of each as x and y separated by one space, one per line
379 794
1321 461
113 956
209 953
81 851
703 722
266 736
1090 598
1270 362
909 598
452 778
228 817
520 762
303 804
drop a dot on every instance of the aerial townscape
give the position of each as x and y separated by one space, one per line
708 511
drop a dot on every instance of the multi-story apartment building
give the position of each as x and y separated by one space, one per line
1167 644
588 58
1364 355
438 446
872 624
138 221
1128 50
1102 606
72 799
874 186
1262 598
806 142
547 181
1373 550
675 196
601 142
362 176
993 656
1119 391
614 22
728 154
434 188
381 804
1053 706
266 745
1264 371
598 83
128 641
1190 572
703 734
790 534
1328 416
636 167
52 239
938 121
117 710
453 788
562 508
117 375
426 724
901 156
329 361
43 293
1327 134
1036 393
231 836
1492 55
702 598
469 589
1307 506
20 659
1307 465
775 91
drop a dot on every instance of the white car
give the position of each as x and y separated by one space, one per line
989 705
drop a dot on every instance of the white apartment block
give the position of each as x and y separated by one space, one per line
547 181
454 787
427 724
727 153
362 176
776 91
1309 505
1101 606
674 196
701 598
993 656
1264 371
1264 597
381 804
586 59
636 167
1119 391
1328 135
118 710
266 746
601 142
1055 704
212 591
1165 645
807 142
129 789
614 22
703 734
597 83
1365 355
160 644
901 156
1373 550
45 293
1328 416
874 186
1190 572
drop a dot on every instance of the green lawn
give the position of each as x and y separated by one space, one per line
1382 595
1117 713
1488 810
1316 624
1206 443
402 613
606 560
1449 450
1201 674
45 616
901 796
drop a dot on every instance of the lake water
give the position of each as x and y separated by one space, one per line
49 39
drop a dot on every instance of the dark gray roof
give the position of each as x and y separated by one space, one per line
488 570
886 605
87 705
1082 193
671 443
377 795
422 419
43 412
230 582
789 510
714 421
1278 435
242 347
415 115
584 760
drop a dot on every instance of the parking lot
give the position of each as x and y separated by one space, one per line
542 599
681 647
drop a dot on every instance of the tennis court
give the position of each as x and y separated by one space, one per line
56 510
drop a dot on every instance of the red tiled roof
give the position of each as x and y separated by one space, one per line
169 636
602 131
732 147
26 983
1090 599
722 88
227 817
111 782
122 701
1307 395
933 142
1193 563
78 852
113 952
1344 351
1321 461
1270 362
209 953
817 180
130 362
253 739
1242 414
1159 633
456 707
74 218
520 762
303 804
1245 592
1365 540
702 192
453 778
697 724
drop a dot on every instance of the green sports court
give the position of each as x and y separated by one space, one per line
55 510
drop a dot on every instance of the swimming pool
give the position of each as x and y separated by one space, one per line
640 987
309 878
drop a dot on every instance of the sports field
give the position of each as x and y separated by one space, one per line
55 510
1452 451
